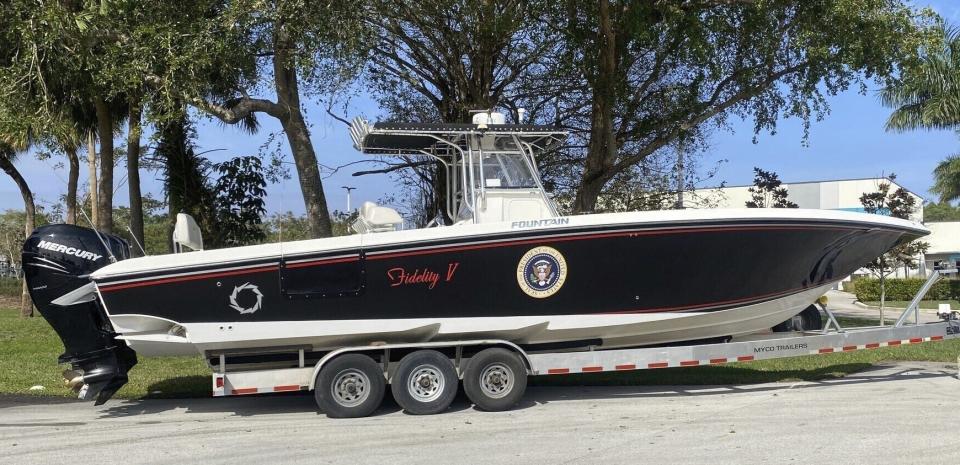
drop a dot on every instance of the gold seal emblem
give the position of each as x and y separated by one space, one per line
541 272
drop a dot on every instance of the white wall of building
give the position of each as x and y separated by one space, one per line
944 240
843 195
825 195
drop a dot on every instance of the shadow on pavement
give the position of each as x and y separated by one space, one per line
249 405
871 374
303 402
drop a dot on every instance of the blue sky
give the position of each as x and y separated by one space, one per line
849 143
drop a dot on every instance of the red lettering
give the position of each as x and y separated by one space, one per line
396 276
451 269
399 276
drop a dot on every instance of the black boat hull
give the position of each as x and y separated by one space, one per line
638 269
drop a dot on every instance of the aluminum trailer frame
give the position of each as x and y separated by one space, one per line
833 338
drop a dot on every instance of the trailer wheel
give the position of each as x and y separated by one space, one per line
807 320
350 386
425 382
495 379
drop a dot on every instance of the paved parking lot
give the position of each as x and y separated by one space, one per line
903 413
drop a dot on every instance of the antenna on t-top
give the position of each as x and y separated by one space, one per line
135 241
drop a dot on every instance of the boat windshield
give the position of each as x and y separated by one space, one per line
506 170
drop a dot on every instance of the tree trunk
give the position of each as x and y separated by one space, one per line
133 177
602 148
29 222
105 193
73 177
92 175
298 136
883 297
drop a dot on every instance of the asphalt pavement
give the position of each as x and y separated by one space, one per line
901 413
845 304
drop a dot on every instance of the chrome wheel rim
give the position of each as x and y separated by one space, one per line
496 380
350 388
425 383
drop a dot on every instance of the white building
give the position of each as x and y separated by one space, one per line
842 194
944 240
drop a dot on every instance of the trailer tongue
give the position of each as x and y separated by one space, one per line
56 262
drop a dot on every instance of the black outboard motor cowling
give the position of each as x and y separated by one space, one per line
57 260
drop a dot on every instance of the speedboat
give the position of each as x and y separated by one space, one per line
507 267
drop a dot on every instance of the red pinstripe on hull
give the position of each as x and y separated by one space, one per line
178 279
442 249
579 237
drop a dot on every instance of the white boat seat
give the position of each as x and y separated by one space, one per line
374 218
186 233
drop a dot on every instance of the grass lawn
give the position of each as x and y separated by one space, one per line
28 357
29 350
901 304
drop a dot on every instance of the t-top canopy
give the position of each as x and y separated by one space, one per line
436 138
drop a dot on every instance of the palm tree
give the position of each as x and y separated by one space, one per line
946 178
928 97
928 94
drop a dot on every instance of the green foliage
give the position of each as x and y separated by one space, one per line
156 226
767 191
239 203
849 286
904 289
289 227
942 211
229 208
898 204
927 94
946 178
659 71
12 230
10 287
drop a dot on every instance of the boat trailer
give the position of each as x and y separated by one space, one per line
500 378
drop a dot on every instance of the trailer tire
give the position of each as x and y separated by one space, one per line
807 320
349 386
495 379
425 382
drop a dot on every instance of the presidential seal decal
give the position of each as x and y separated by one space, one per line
541 272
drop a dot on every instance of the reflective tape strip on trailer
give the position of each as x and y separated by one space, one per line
877 345
261 390
741 358
652 365
261 381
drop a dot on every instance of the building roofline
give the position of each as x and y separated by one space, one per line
822 181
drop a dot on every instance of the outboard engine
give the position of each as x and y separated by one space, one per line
57 260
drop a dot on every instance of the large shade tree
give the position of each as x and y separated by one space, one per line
236 60
55 58
656 71
441 60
